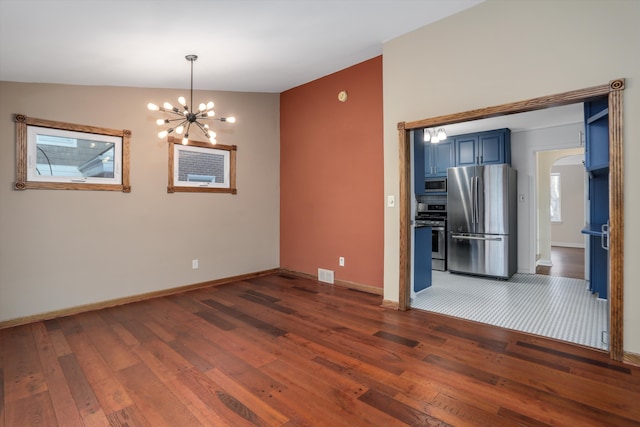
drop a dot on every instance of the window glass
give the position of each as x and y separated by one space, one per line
555 198
65 156
201 167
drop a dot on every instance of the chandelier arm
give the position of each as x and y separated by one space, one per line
175 120
202 129
186 133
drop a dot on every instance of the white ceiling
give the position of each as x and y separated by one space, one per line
243 45
549 117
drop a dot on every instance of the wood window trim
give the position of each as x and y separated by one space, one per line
22 182
614 91
232 149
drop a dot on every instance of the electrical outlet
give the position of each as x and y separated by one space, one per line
341 261
194 264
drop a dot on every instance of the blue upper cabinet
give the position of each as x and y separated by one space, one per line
418 162
466 150
484 148
596 132
437 158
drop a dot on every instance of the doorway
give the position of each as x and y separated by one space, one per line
613 91
561 213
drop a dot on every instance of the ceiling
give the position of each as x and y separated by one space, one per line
538 119
242 45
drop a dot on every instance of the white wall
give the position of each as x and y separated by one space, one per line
61 249
572 195
500 52
524 148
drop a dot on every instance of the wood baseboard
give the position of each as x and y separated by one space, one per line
390 304
342 283
631 358
133 298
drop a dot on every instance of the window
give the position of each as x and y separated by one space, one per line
65 156
201 167
555 198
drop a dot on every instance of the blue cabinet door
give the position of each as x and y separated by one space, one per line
466 148
492 150
422 258
442 158
418 162
598 267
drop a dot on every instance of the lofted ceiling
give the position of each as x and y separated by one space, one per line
242 45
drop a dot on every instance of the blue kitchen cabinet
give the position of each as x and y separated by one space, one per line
422 258
438 158
483 148
596 163
596 132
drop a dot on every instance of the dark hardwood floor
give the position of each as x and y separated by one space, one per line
284 351
567 262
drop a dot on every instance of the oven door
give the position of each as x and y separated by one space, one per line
438 248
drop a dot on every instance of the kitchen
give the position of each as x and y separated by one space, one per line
514 139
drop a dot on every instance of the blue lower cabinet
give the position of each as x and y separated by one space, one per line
598 268
422 259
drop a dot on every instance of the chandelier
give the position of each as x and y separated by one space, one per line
434 136
181 121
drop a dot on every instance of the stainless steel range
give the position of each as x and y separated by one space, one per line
432 212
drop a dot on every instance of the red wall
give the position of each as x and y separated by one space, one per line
331 176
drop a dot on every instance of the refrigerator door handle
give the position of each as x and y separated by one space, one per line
477 205
464 237
473 200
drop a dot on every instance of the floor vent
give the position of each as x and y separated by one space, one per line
325 276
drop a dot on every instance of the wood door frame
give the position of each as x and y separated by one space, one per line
614 90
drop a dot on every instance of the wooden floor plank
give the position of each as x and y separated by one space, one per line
22 369
63 404
287 351
33 410
157 402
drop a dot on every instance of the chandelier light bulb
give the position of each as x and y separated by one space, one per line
441 134
163 134
153 107
210 105
231 119
211 113
202 107
182 101
185 140
179 130
162 121
168 106
212 134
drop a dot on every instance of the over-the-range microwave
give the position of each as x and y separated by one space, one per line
435 185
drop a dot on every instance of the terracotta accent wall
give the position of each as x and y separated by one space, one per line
331 176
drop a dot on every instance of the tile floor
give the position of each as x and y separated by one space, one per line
555 307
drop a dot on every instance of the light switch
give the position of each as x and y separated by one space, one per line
391 201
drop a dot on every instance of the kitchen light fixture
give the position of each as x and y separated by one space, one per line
188 116
434 136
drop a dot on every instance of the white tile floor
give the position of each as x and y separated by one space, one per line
555 307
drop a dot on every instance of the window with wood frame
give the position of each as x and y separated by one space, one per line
66 156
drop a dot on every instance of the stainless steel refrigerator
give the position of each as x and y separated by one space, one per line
482 220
